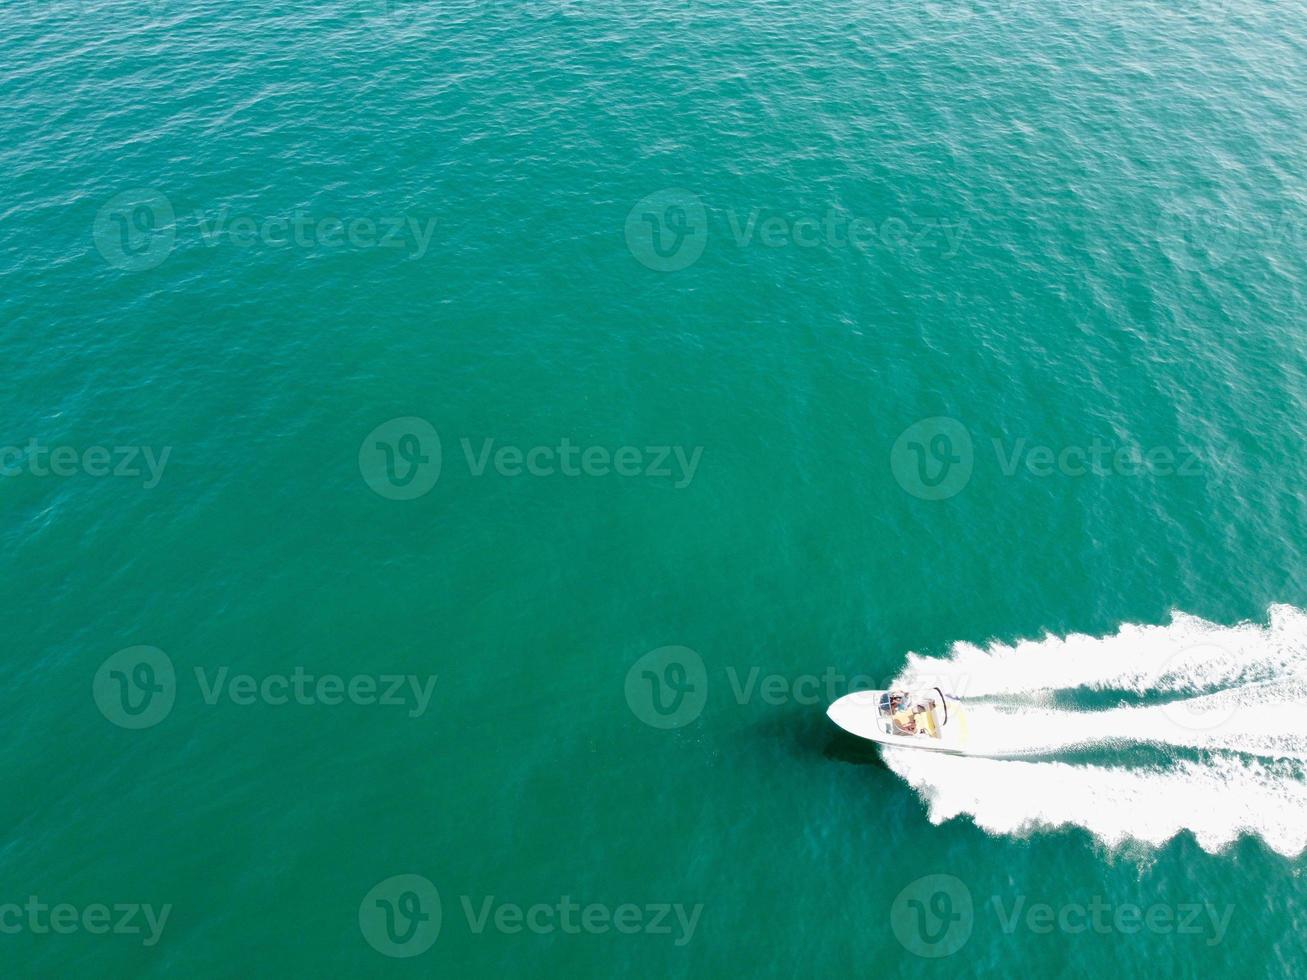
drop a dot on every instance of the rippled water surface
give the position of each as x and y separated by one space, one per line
453 453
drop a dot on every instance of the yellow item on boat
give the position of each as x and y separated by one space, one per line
926 719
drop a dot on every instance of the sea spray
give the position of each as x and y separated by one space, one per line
1188 655
1226 707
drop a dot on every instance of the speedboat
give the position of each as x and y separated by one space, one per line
914 719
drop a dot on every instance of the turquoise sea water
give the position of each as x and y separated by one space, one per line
512 344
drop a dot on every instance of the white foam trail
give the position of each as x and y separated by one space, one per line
1237 694
1217 801
1264 720
1190 654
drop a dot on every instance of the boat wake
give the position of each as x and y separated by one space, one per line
1138 736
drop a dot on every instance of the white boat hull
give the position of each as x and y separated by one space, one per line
918 720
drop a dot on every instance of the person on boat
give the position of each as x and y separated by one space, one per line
905 721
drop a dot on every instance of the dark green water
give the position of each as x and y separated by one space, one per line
741 258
